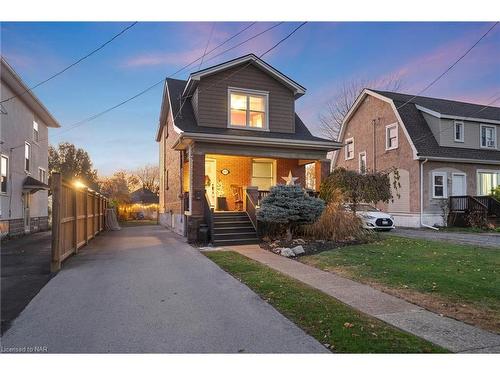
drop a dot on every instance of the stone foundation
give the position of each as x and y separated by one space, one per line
15 227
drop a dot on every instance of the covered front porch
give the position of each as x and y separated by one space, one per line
215 182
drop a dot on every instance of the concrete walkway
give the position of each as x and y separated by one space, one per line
143 290
475 239
448 333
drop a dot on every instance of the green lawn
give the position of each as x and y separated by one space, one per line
341 328
464 275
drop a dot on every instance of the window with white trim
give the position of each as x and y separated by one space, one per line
42 175
439 185
459 131
263 174
362 162
349 149
486 181
488 136
248 109
27 156
391 137
4 173
36 134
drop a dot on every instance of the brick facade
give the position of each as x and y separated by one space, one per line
367 127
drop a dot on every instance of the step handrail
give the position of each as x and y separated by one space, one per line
209 216
251 209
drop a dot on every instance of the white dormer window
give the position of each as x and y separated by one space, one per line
391 137
349 149
36 134
488 136
248 109
459 131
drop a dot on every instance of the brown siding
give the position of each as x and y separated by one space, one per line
361 128
212 98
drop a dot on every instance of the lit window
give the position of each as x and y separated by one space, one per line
486 181
36 135
262 174
247 110
4 172
488 136
362 162
349 149
391 134
439 185
459 131
42 175
27 156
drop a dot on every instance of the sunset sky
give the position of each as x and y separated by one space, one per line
320 56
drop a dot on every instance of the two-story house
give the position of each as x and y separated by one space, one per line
227 135
24 123
441 148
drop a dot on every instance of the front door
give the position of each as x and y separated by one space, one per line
458 184
211 181
26 211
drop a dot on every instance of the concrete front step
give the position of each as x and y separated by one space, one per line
243 241
234 235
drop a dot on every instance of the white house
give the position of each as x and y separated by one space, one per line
24 123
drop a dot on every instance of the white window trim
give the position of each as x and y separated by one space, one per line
29 156
445 185
7 174
346 148
266 160
481 126
497 171
359 162
237 90
42 169
459 174
38 131
387 129
461 123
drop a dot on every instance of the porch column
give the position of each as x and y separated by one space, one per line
196 193
321 171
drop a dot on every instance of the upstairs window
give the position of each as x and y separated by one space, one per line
27 156
349 149
36 134
439 185
4 173
248 109
488 136
391 137
459 131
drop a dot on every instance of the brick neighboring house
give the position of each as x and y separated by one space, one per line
226 135
24 156
441 148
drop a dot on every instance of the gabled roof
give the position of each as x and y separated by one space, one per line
418 132
16 84
447 108
194 78
186 122
143 195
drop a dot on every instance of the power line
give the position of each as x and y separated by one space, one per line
72 64
450 67
243 67
206 47
90 118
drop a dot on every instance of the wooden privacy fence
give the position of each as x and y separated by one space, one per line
78 215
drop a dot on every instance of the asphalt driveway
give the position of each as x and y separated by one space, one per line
144 290
475 239
25 269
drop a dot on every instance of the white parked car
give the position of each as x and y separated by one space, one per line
373 218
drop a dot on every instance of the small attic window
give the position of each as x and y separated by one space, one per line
248 109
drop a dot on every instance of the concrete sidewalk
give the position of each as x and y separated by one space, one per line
144 290
448 333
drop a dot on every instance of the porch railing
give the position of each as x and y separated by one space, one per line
466 203
492 205
209 216
251 209
265 193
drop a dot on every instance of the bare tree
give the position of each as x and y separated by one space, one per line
148 177
343 98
